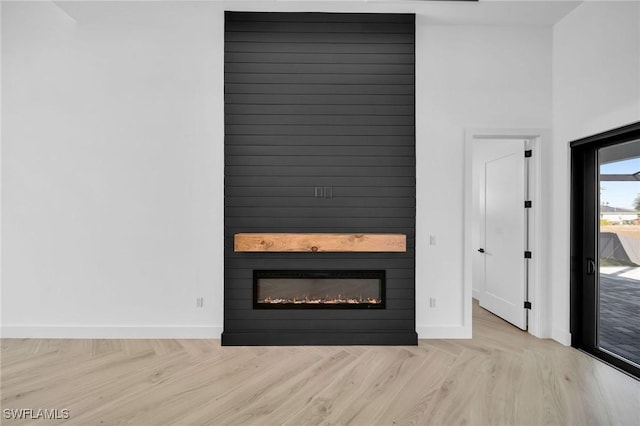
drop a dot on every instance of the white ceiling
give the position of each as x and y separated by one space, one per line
483 12
541 12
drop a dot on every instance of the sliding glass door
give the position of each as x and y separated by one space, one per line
618 322
605 253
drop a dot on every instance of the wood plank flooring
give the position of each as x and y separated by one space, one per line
502 376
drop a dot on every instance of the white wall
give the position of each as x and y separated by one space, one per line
469 77
112 160
112 170
596 87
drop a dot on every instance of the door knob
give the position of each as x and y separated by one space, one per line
481 250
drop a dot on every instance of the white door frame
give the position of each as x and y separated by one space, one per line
536 297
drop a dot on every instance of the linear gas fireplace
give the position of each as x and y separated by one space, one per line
329 289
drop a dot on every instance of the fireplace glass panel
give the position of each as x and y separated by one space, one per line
319 289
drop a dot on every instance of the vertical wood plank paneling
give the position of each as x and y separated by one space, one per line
320 137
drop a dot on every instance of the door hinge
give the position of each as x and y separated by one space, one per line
528 153
527 305
527 255
527 204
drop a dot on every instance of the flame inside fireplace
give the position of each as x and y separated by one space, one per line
319 289
322 301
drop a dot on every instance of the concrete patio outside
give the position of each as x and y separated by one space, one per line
619 326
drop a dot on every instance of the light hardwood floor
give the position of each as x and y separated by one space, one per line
501 376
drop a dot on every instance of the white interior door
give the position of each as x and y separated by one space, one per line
504 289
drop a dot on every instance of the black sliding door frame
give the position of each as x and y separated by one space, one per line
585 202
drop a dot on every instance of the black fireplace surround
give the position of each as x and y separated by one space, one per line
319 138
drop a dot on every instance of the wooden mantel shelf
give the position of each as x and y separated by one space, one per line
261 242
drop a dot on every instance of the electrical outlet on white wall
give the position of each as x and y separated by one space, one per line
432 302
199 302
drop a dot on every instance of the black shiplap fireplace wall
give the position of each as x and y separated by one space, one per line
319 137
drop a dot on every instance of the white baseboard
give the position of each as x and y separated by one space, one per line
443 332
561 336
109 332
475 294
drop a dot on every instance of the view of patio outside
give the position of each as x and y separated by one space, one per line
619 256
